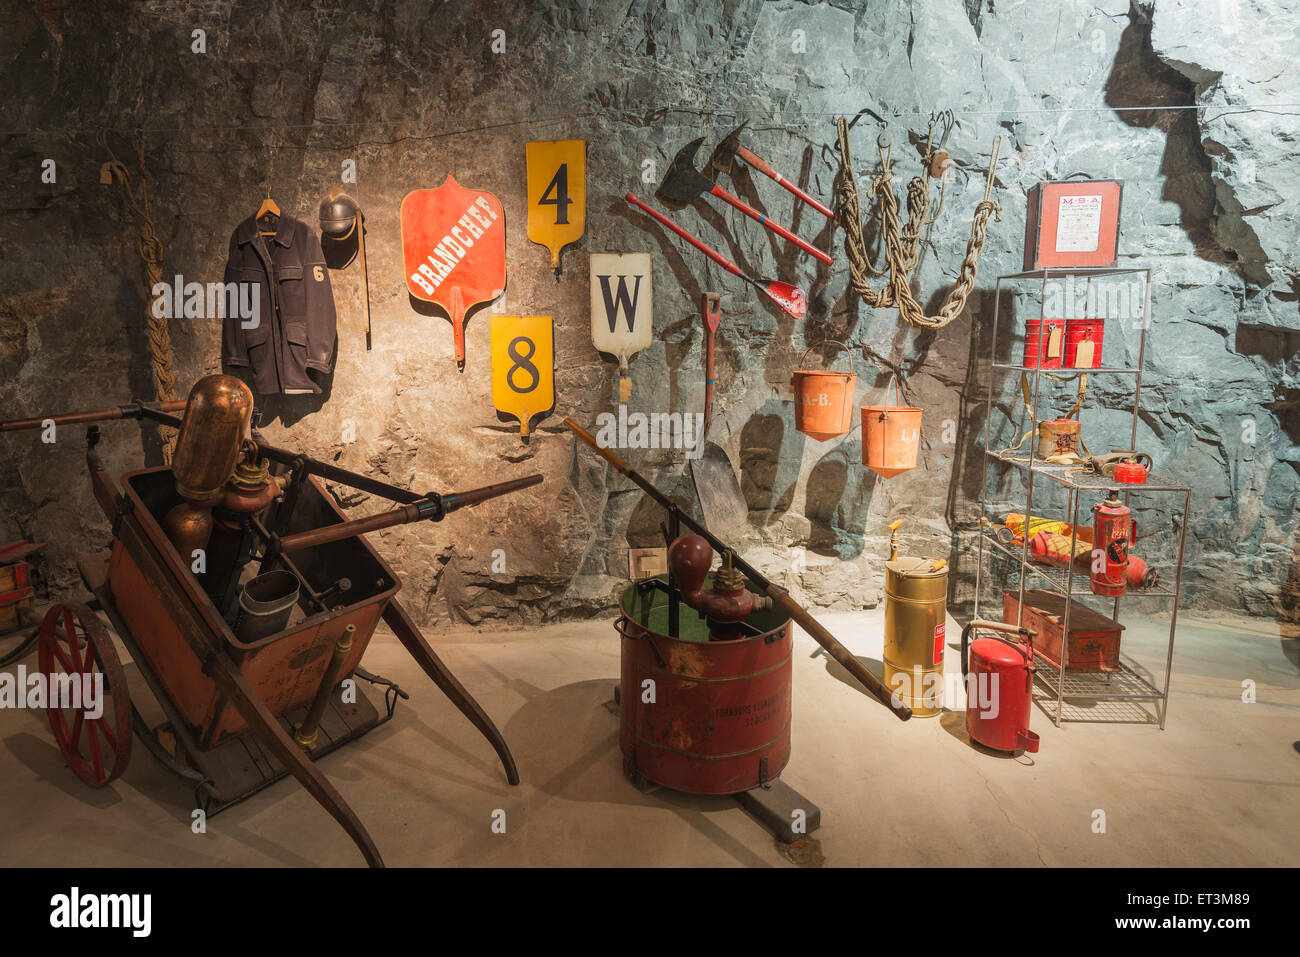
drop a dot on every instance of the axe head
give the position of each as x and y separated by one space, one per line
683 182
724 155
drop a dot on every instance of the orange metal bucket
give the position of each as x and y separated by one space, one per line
891 435
823 398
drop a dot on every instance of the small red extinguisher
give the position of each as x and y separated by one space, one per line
1113 530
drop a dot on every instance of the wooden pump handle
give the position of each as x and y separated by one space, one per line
780 597
132 411
609 455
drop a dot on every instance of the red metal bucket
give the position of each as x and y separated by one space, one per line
700 716
1083 342
823 398
891 435
1043 338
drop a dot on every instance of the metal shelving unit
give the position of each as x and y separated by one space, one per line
1061 693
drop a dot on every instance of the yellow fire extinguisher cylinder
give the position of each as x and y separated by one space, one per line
916 604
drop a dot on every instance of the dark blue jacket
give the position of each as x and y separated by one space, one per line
295 333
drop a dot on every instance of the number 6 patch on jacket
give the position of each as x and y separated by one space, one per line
278 318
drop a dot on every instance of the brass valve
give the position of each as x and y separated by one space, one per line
893 540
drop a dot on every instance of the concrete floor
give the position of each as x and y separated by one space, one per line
1218 787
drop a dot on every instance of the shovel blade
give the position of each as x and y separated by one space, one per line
719 493
790 299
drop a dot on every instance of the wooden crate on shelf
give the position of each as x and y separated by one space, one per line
1094 639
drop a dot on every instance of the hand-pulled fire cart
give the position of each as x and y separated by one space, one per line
256 675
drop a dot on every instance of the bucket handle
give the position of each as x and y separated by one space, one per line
620 625
1022 643
898 395
834 342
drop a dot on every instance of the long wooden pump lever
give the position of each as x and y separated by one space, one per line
780 597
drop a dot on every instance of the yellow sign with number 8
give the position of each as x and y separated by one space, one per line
523 366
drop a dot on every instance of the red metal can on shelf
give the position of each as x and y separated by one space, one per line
1044 340
1083 339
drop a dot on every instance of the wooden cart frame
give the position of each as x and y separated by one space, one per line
253 693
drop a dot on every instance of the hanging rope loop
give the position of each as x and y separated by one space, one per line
902 242
151 254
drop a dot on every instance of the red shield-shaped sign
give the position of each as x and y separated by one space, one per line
454 250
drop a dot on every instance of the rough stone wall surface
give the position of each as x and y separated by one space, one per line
413 91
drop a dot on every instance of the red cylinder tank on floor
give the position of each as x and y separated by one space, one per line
999 674
701 716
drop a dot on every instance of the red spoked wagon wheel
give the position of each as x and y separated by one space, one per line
86 694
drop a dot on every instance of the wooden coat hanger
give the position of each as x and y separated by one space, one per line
268 215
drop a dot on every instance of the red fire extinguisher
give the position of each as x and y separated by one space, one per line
999 675
1113 530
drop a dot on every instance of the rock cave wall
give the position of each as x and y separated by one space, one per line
411 91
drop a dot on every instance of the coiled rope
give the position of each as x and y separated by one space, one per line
849 217
151 253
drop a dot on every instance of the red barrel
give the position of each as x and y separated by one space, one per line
1043 338
1085 334
700 716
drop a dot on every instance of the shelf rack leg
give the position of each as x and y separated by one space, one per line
1173 612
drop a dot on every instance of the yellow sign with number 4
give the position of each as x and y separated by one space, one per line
523 366
557 194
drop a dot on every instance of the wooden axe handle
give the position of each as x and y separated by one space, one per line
749 157
766 223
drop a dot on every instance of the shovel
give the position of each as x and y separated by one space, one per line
684 183
716 487
790 299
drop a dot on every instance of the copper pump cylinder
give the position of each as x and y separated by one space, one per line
728 602
217 418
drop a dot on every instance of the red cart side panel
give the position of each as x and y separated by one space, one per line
284 669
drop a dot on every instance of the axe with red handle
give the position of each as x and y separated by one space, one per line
683 183
731 146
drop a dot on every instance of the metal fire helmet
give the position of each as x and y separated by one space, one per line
338 215
340 236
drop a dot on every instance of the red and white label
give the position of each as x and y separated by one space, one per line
938 643
1078 224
